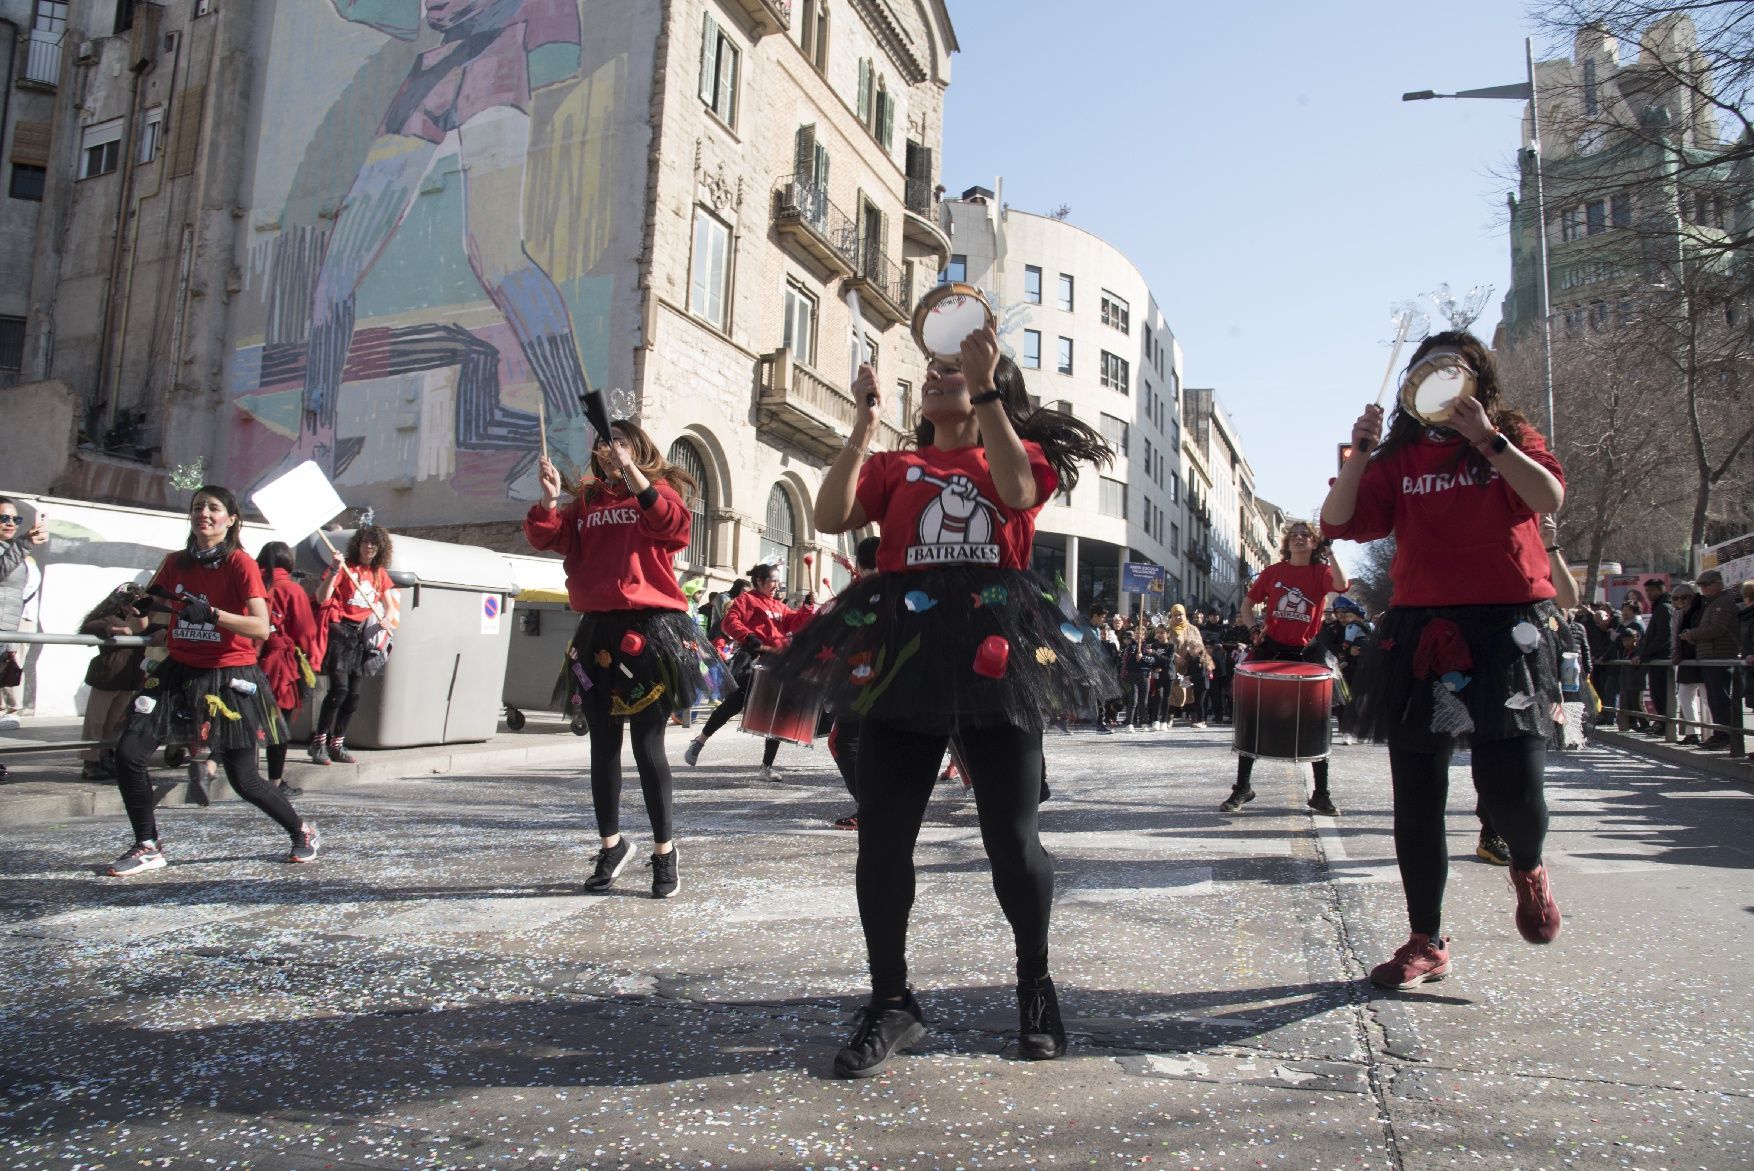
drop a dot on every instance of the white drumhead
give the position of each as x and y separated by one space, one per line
949 321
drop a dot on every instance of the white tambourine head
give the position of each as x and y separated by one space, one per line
1434 385
947 315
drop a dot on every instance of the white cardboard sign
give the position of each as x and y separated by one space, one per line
298 503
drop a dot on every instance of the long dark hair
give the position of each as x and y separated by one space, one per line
646 457
233 542
1065 441
1404 427
378 537
274 555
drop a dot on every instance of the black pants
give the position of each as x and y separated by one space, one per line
848 731
339 705
277 752
896 770
721 715
134 750
1159 708
1137 692
1508 776
1662 690
648 756
1718 697
1245 768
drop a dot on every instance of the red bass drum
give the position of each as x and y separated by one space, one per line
1282 710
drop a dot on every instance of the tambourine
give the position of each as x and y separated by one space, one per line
1431 388
948 314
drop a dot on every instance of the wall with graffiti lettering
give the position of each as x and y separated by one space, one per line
442 240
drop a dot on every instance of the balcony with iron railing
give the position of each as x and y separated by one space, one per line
883 284
797 405
41 67
926 222
806 218
767 16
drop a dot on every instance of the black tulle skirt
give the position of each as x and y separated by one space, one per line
1423 700
640 658
942 648
220 708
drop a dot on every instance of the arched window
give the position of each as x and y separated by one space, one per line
839 576
781 532
698 555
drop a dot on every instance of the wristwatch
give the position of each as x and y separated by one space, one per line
1494 443
986 396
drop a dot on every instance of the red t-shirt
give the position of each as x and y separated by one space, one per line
227 586
1294 596
1458 541
355 604
619 556
940 507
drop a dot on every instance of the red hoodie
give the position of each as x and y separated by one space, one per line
1458 541
619 556
294 627
768 619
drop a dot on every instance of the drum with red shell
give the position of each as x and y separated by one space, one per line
789 711
1281 710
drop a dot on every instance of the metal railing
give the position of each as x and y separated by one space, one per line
46 639
888 277
42 58
806 202
1625 717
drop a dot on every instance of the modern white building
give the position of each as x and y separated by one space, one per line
1078 317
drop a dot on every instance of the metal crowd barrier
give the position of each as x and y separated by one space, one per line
46 639
1624 716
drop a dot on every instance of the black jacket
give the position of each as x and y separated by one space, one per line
1658 641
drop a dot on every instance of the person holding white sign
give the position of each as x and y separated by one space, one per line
208 691
361 607
637 655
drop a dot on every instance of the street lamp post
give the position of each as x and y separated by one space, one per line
1525 91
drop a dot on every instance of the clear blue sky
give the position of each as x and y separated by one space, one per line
1255 160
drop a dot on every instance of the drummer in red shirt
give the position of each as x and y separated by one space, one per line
758 622
1294 592
209 690
637 656
1469 650
952 636
293 652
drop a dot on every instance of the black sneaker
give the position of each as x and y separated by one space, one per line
339 754
1237 799
319 751
883 1030
306 843
286 789
664 880
1492 848
609 865
1323 804
1041 1036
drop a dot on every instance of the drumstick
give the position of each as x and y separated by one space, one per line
1394 358
858 328
542 425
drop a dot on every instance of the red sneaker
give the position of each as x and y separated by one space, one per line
1537 915
1421 958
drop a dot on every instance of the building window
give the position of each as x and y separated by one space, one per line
876 105
1175 540
28 182
709 274
813 32
1113 501
958 270
800 310
1620 214
1114 311
718 71
778 535
1066 291
1175 487
11 343
904 399
100 148
1599 316
1595 214
1065 362
151 134
1032 284
1571 223
1115 431
1115 372
698 555
1031 349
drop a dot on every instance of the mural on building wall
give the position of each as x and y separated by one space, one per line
442 257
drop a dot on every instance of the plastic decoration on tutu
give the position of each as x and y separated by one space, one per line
1474 674
219 708
960 644
641 658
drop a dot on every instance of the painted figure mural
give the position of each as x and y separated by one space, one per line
464 116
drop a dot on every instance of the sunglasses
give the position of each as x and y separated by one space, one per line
8 520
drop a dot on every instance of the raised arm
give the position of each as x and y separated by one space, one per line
837 504
1006 460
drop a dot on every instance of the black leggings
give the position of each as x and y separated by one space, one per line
134 750
1245 767
339 705
721 715
896 770
1508 776
648 755
277 752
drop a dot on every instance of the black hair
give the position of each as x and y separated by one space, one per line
377 536
759 572
866 554
1404 426
737 587
275 555
233 541
1064 440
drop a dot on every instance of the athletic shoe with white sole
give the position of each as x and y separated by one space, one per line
143 857
305 844
664 880
1421 958
610 862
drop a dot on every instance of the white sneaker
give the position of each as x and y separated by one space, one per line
8 723
767 774
1201 725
